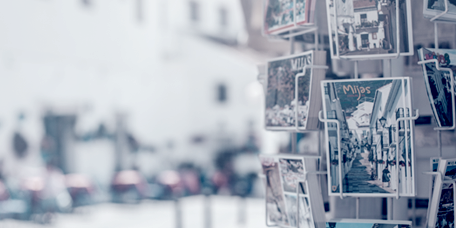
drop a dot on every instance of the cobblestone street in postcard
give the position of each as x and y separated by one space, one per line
358 179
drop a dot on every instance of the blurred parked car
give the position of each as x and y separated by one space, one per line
128 186
13 204
48 193
80 188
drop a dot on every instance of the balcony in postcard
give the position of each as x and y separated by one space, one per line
367 26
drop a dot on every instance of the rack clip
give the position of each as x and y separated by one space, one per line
417 114
441 14
435 173
322 119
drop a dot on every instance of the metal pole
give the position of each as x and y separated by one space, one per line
292 45
413 211
436 35
357 207
294 136
242 211
390 209
294 142
386 68
439 142
207 210
356 70
178 212
390 67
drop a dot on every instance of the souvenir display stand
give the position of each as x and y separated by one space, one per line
406 119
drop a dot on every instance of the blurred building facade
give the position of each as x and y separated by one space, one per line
178 71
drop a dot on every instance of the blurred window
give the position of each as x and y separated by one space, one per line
223 17
194 11
221 93
139 10
86 2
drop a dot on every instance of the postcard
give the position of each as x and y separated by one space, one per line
438 83
275 202
366 29
280 15
284 110
373 156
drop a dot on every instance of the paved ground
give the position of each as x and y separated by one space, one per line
358 178
160 214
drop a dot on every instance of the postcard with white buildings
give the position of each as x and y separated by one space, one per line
433 8
370 151
438 83
369 29
279 15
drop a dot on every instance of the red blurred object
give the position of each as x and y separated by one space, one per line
129 182
220 179
4 194
80 188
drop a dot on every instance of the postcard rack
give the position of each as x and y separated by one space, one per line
300 30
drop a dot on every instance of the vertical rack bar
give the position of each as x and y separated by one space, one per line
390 208
414 211
294 141
356 70
436 35
390 67
294 135
436 46
292 44
439 142
357 207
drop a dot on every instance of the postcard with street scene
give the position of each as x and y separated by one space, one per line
438 83
280 113
369 28
367 223
275 202
280 15
375 155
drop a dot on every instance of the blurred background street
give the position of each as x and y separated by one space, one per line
133 113
158 214
112 110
